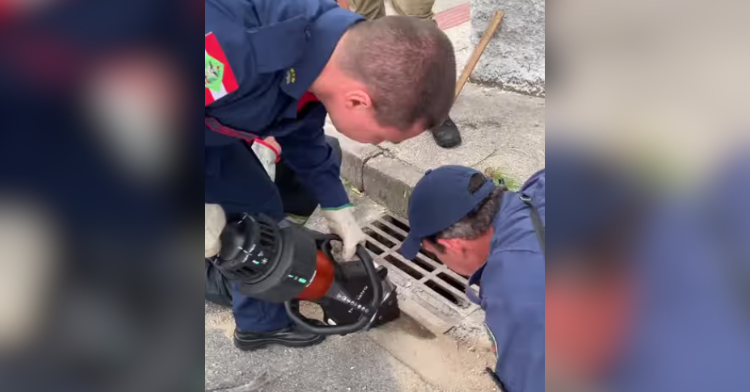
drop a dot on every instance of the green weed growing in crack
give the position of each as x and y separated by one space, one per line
501 179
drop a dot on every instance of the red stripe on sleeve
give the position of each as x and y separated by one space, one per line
307 98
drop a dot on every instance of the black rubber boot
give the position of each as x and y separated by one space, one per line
291 336
447 134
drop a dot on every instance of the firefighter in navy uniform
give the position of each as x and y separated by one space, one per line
496 237
275 69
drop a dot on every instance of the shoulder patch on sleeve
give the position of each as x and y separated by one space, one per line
219 79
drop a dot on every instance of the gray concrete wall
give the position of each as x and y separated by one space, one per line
515 57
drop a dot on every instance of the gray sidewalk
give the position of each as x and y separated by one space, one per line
350 363
398 357
501 131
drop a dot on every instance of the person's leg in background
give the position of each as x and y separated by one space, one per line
421 9
370 9
236 180
447 134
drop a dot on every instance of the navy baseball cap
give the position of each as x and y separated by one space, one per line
441 199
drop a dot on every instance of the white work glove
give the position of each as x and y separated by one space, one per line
268 152
215 222
342 223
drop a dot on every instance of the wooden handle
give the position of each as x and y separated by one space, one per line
474 59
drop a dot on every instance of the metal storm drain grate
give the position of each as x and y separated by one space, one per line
428 291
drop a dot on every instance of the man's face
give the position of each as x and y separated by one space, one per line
462 256
355 118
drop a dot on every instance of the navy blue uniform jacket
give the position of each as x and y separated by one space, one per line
512 290
261 58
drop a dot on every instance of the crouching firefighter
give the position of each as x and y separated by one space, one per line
276 68
496 237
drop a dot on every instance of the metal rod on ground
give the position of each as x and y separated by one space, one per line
474 59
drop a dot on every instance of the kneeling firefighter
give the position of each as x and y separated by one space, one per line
276 68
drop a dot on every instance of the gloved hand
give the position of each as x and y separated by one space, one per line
268 152
214 224
342 223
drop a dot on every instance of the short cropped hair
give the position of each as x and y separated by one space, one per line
407 64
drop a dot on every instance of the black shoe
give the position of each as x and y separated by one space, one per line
447 135
291 336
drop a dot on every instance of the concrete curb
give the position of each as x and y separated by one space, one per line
355 157
372 169
390 181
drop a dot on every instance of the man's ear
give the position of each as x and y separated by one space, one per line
358 99
451 243
431 247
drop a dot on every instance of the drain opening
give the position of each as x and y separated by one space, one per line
431 256
397 223
404 267
422 259
377 237
420 262
452 298
389 230
425 265
452 281
375 249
